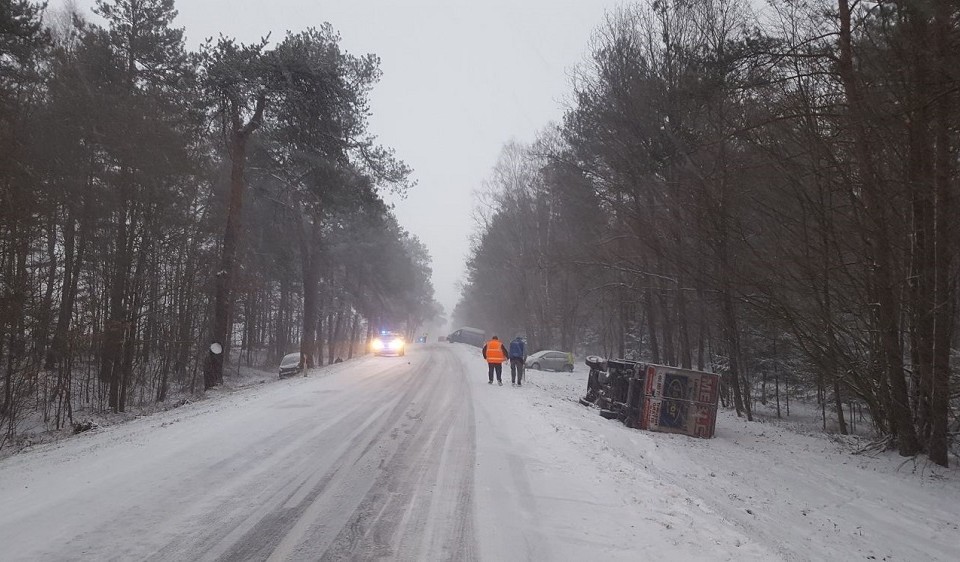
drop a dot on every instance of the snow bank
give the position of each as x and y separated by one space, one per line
757 490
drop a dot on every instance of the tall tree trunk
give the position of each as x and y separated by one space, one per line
331 344
944 312
152 326
310 266
16 272
726 272
281 323
666 325
42 339
776 375
72 260
683 326
879 244
320 318
353 334
731 332
920 172
111 360
826 303
337 340
652 316
223 292
838 402
701 328
185 310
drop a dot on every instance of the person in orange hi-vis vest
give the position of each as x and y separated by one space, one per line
496 354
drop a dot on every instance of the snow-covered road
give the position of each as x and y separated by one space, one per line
374 458
417 458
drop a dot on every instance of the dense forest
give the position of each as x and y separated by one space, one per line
164 210
768 194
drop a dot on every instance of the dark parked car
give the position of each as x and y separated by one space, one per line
550 360
290 365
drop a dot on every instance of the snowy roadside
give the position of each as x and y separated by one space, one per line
757 489
239 383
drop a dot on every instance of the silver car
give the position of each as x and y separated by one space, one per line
290 365
550 360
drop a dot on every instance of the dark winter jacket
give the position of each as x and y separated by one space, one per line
517 349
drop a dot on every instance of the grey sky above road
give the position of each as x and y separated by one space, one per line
460 79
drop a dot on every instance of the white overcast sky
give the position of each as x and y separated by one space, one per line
460 78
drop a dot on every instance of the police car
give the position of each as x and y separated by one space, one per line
388 343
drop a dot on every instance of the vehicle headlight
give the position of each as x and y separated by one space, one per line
396 344
377 344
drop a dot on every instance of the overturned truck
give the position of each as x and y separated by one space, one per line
654 397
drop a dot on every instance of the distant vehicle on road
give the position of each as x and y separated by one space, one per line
290 365
550 360
472 336
389 343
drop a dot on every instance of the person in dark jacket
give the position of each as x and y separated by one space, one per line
518 354
496 354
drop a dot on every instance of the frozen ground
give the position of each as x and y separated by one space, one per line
32 430
418 458
796 493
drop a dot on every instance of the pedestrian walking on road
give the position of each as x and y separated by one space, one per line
518 355
495 353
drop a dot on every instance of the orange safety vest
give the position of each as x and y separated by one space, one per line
495 352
